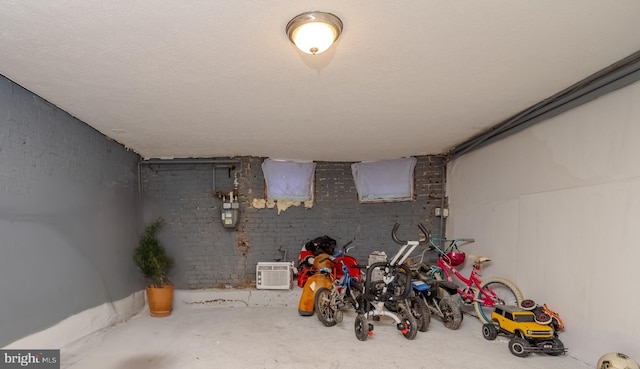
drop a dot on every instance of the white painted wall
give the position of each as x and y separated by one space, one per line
557 208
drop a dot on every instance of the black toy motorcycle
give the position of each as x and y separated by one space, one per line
440 296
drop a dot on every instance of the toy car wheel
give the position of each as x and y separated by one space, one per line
528 304
543 318
489 331
519 347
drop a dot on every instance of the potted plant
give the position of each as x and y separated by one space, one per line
154 263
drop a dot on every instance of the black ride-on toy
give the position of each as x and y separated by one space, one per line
441 298
387 292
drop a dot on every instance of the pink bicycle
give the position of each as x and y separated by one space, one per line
484 295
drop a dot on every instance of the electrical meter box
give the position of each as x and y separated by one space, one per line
230 213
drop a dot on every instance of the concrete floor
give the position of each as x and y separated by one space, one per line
262 329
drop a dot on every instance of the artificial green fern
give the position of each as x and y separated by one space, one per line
151 257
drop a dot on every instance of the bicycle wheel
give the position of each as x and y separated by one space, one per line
421 312
361 327
408 325
325 310
451 313
507 293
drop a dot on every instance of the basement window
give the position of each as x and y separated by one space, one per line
288 180
384 181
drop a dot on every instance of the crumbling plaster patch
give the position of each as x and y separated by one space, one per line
281 205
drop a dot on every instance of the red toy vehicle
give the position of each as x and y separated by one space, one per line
323 247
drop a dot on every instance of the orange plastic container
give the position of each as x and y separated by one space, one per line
307 299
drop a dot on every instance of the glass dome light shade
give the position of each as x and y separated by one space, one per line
314 32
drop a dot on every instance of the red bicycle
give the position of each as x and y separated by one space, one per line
484 295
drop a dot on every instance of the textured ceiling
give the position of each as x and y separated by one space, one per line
178 79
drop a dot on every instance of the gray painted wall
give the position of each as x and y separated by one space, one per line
68 215
209 255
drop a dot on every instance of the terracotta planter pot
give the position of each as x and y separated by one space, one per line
160 300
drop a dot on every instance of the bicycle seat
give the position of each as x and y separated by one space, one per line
481 260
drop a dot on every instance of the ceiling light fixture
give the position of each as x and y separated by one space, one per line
314 32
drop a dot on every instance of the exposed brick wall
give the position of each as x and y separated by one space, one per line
209 255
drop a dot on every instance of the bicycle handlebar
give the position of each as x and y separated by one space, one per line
394 237
432 245
456 240
424 230
343 250
402 242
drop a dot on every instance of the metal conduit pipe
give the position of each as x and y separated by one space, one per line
217 163
615 76
443 193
